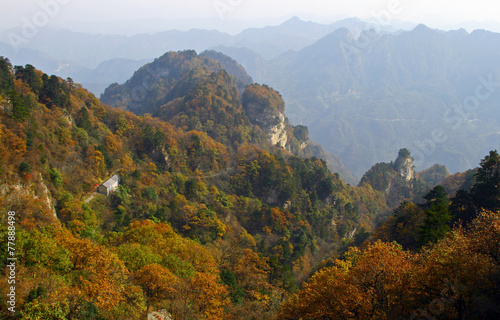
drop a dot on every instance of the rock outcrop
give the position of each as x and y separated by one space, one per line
265 107
404 166
277 132
398 180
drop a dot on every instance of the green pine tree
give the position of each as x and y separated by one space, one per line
438 216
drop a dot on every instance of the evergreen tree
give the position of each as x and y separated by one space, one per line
486 190
438 216
463 208
28 74
6 82
83 119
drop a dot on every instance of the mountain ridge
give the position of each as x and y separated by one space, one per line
393 91
169 97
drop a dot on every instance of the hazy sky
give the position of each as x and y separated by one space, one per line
222 14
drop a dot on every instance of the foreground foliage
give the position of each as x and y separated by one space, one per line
457 278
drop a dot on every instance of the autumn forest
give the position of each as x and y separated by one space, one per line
224 210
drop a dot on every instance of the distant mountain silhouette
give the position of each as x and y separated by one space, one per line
364 98
75 54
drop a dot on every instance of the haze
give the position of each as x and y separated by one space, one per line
132 17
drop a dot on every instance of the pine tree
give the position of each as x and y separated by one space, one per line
438 216
486 190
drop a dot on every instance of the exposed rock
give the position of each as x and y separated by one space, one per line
160 315
404 165
277 133
16 192
67 116
47 197
265 107
351 234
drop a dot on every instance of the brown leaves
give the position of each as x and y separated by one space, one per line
208 295
157 282
99 274
367 285
453 279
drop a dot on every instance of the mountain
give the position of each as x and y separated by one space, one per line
252 61
209 219
490 25
95 79
293 34
91 49
173 86
430 91
77 54
230 65
212 217
116 70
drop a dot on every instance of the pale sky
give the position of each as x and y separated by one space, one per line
223 14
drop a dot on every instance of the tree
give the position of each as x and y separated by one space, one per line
83 119
99 274
29 75
403 226
135 256
208 295
463 207
150 193
438 216
24 167
157 282
40 310
486 190
55 176
458 277
22 105
53 94
6 80
375 283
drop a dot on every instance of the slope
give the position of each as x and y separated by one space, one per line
198 227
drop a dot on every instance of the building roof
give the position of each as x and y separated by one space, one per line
113 181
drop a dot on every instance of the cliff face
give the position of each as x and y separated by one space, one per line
404 166
265 107
277 133
270 121
403 184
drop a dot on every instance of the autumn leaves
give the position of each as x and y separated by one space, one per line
457 278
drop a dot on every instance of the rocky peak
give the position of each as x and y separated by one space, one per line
404 165
398 179
265 107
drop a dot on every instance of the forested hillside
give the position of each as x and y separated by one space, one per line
200 93
222 210
439 259
211 220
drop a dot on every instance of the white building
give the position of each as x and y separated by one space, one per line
109 185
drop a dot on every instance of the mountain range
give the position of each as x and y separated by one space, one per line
222 209
79 55
363 94
219 211
433 92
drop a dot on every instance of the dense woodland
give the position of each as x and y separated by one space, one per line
211 221
436 260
